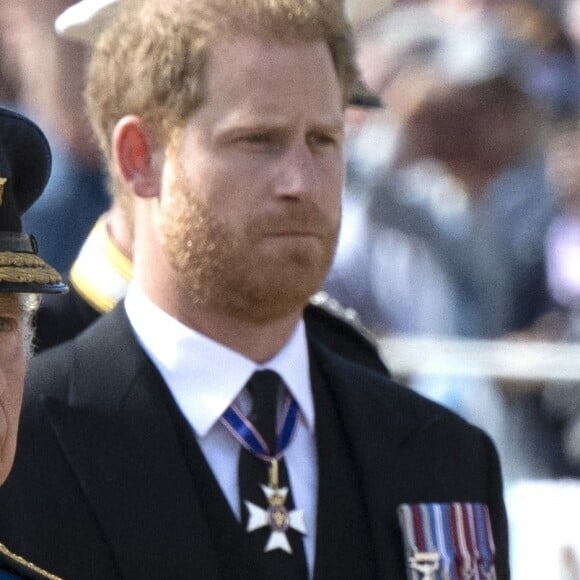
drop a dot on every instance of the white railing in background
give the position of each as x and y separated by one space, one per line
496 359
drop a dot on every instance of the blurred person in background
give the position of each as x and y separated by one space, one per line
414 54
48 73
452 175
475 126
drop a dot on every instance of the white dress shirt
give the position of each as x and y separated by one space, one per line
205 378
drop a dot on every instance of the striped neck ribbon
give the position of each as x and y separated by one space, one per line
248 436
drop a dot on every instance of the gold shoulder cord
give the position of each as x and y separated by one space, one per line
28 565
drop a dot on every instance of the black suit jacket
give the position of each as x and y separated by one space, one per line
100 488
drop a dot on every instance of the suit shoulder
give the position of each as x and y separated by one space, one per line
13 563
89 341
413 409
443 425
52 361
348 318
340 329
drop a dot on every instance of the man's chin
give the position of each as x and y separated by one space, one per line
268 299
259 282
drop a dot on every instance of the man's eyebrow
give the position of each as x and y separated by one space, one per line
331 127
274 125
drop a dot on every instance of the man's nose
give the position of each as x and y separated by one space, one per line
296 172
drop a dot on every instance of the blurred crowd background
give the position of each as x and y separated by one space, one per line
462 200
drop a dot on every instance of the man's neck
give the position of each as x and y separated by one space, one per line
258 341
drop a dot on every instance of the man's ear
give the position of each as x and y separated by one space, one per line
134 153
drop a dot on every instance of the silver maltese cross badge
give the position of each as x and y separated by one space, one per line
276 516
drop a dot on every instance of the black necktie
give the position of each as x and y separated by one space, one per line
263 388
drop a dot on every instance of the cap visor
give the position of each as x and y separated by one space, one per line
27 272
362 96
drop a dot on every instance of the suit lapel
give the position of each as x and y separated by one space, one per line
344 549
121 444
373 413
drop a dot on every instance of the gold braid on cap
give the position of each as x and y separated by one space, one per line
27 565
26 268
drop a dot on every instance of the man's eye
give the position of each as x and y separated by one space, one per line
7 324
258 138
322 139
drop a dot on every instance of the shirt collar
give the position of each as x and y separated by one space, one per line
204 376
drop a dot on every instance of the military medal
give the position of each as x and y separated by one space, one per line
275 516
425 563
448 541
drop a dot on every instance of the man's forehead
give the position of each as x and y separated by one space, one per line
252 49
9 301
261 66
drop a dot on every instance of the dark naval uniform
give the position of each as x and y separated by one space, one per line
25 162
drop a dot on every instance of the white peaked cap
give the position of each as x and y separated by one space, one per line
85 20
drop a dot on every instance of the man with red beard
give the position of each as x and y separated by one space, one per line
202 429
